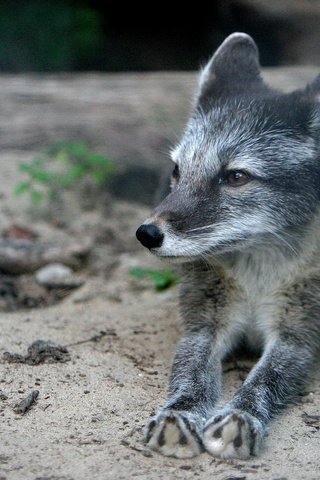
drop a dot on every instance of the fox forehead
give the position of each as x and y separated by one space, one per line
251 135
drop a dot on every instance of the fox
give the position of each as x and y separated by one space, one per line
243 220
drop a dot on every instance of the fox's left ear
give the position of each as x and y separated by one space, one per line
315 123
313 90
234 69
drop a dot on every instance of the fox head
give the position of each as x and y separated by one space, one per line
247 168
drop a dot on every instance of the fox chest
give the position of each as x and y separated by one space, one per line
256 319
250 312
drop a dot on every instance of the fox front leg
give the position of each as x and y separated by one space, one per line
194 387
237 430
195 382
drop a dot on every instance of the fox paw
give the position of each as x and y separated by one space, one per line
233 434
174 434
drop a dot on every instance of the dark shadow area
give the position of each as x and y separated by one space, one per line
127 185
96 35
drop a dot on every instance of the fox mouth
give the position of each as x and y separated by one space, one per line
185 249
176 258
207 252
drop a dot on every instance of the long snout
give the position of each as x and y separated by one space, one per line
164 233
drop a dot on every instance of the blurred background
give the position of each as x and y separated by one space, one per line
56 35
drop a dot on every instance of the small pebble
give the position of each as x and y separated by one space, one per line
57 275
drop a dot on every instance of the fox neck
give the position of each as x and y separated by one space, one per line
273 262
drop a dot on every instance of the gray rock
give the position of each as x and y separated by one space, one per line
57 275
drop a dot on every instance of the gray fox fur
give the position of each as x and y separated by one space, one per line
243 219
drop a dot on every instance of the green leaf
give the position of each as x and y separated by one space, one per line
43 176
36 197
32 166
162 278
99 177
76 171
102 176
139 272
72 175
21 188
26 167
97 159
61 156
77 162
52 194
76 149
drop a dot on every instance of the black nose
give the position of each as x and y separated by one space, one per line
150 236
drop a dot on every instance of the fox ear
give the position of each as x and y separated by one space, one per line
313 88
233 69
315 122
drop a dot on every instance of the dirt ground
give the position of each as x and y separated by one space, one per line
88 419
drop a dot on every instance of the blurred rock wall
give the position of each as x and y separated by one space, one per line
132 118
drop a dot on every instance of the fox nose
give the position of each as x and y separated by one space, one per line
150 236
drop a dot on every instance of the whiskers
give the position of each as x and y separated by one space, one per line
285 241
205 227
212 236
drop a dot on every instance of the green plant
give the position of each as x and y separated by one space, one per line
55 35
59 168
162 278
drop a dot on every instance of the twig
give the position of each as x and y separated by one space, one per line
23 406
94 338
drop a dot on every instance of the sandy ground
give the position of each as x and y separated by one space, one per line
87 422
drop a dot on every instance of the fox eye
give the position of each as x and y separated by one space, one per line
176 173
236 178
175 176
